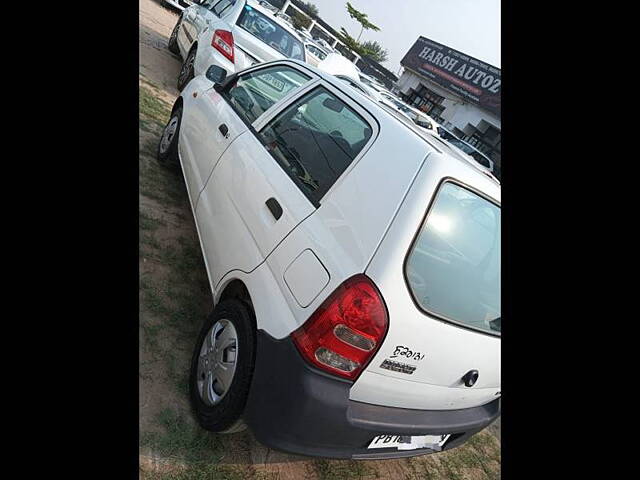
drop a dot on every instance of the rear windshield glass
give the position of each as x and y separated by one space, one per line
270 33
453 269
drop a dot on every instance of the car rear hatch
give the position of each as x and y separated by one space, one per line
252 33
438 271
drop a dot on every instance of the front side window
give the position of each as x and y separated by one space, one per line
270 33
453 268
315 140
254 93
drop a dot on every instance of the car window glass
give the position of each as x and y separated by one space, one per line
315 140
453 269
270 33
253 93
220 7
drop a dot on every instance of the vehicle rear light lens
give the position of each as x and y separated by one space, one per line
347 335
335 360
345 332
223 42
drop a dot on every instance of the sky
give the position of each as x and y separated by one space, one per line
470 26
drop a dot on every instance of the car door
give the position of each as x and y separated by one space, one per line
247 204
185 36
208 127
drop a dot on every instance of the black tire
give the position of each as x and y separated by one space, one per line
168 156
186 71
173 42
226 416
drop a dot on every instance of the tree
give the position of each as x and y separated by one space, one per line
349 42
311 9
362 19
300 21
374 51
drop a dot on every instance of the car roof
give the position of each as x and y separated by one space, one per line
377 109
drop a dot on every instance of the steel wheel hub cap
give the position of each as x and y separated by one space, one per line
167 135
217 362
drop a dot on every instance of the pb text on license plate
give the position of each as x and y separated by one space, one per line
434 442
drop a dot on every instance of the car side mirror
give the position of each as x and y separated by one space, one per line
216 74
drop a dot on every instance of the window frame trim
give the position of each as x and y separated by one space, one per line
262 121
430 314
255 124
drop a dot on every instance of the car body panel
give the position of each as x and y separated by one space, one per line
249 226
445 351
364 223
201 141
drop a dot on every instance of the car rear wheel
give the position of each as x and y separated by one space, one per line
173 39
222 367
186 71
168 146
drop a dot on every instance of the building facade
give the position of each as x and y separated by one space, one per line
458 91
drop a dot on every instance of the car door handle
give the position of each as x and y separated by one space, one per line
274 207
224 130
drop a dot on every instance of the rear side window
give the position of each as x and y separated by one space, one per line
453 268
270 33
315 140
253 93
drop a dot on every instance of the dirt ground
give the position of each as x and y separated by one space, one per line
175 298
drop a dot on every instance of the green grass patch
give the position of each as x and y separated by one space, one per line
153 298
151 336
183 440
477 458
150 126
177 374
152 107
147 222
201 471
341 470
156 182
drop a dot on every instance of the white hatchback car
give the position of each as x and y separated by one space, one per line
354 267
315 54
233 34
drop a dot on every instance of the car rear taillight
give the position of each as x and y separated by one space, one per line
345 331
223 42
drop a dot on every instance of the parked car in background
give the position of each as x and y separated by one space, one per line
354 266
480 157
345 70
233 34
419 118
324 44
446 146
179 4
315 54
305 35
268 6
285 18
371 81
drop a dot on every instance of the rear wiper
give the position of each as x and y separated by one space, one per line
495 324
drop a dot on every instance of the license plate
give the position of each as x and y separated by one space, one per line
273 82
405 442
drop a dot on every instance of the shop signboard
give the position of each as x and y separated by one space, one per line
467 77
